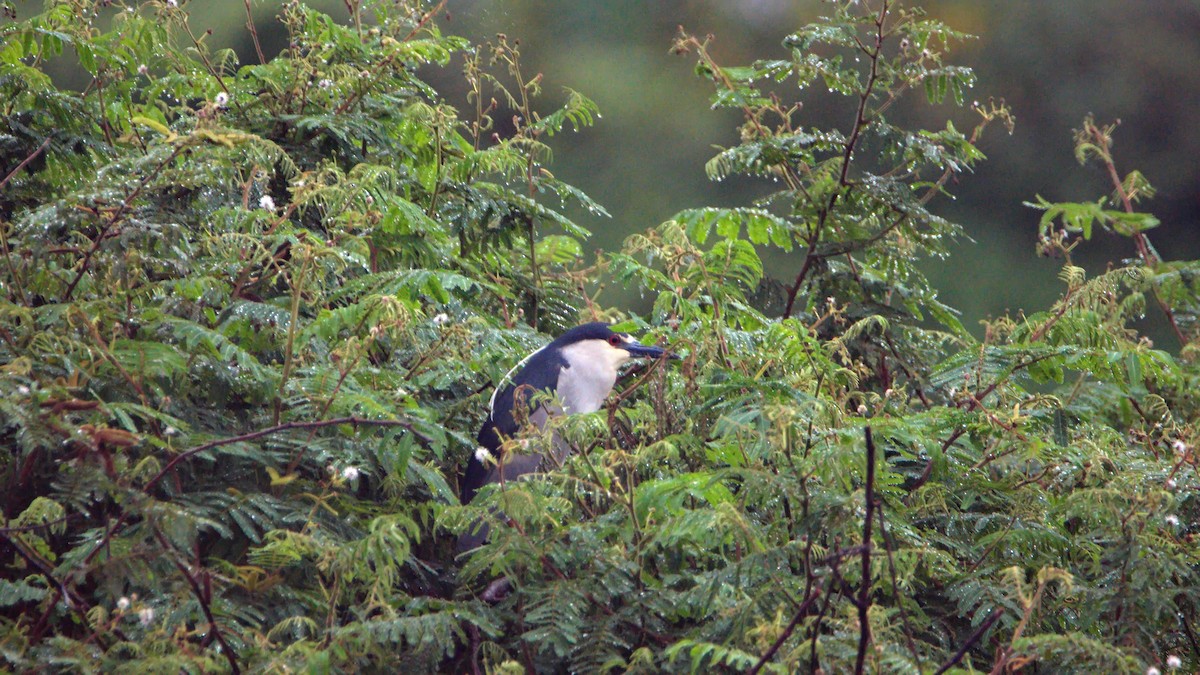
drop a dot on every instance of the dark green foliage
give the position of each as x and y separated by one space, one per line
252 314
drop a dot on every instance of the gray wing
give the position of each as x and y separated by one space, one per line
539 373
512 466
501 422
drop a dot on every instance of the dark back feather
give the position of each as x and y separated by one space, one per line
540 373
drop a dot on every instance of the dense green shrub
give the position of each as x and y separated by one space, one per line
252 315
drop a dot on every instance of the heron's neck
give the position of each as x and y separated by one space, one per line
590 375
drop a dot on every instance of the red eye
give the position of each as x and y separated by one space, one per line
615 340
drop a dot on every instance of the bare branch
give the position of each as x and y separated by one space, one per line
864 588
962 651
801 612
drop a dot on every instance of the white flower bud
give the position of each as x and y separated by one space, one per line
266 203
123 604
350 473
146 616
483 455
221 99
1174 662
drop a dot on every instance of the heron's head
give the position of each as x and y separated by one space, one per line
598 341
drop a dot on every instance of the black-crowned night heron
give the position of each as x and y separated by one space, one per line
577 371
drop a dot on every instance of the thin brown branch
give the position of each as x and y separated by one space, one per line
424 20
38 526
962 651
1188 630
25 162
17 282
888 545
352 420
801 612
43 566
1139 239
860 123
809 258
254 34
204 600
202 52
386 62
814 663
864 588
116 217
983 556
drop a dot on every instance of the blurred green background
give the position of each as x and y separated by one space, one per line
1053 62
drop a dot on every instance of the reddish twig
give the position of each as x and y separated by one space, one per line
1187 629
801 612
864 588
73 600
860 123
424 20
888 545
962 651
356 421
813 662
386 62
254 34
1139 239
203 599
25 162
114 219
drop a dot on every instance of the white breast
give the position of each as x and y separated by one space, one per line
590 375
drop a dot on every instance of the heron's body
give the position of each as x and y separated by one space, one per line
578 370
